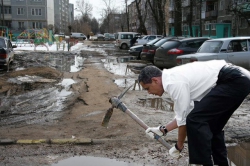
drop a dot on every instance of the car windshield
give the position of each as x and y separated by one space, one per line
2 43
162 41
153 41
145 37
210 47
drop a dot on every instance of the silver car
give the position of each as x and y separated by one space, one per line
235 50
6 53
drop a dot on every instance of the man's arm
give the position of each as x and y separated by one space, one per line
182 132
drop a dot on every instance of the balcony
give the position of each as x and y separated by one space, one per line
211 14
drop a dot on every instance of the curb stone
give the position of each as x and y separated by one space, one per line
48 141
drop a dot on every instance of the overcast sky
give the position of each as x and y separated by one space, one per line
98 5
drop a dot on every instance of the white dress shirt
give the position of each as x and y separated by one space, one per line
188 83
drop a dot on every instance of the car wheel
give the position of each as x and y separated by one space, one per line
124 46
6 68
139 56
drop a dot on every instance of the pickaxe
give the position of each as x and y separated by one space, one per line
116 103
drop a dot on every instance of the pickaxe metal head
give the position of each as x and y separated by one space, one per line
109 112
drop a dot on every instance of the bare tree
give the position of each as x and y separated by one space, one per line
142 29
190 18
84 7
239 11
127 13
177 17
158 11
107 12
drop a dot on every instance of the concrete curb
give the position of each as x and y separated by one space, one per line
77 141
47 141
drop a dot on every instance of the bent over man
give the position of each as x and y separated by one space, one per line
205 95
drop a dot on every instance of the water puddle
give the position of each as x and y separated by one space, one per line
64 62
164 104
94 113
127 82
25 108
125 65
239 155
93 161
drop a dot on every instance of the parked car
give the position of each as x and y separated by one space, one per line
136 50
6 53
235 50
77 35
109 36
122 39
165 55
100 37
146 39
148 51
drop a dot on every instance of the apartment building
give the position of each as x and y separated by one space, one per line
19 15
5 17
61 11
28 14
217 18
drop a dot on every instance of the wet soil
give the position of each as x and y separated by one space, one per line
80 116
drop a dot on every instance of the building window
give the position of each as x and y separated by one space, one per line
37 0
36 12
20 25
207 23
213 25
37 25
6 9
221 5
20 11
243 23
185 27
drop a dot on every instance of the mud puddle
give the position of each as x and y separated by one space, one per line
61 61
157 103
93 161
127 82
37 106
239 155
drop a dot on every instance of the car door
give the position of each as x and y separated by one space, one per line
10 50
238 53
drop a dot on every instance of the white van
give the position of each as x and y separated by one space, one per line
76 35
122 39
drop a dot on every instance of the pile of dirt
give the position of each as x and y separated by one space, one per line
15 89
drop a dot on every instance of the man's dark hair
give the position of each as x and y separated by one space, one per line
147 73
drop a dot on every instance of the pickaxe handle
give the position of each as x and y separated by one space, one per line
143 125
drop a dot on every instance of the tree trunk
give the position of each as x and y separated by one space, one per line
157 7
190 17
200 19
2 14
127 14
177 18
142 29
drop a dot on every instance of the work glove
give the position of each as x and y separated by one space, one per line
155 130
175 152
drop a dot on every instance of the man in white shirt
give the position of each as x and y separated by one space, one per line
205 95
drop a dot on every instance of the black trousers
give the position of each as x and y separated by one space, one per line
206 121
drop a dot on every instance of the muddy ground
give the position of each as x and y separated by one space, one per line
32 110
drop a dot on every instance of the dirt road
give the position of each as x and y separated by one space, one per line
81 117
